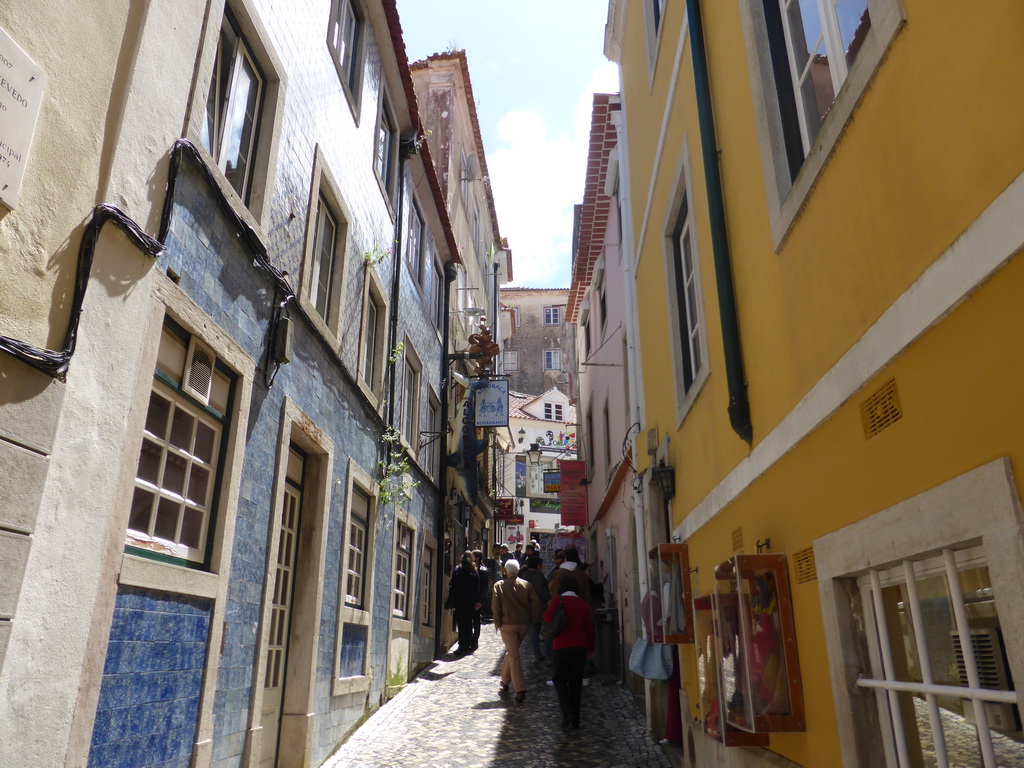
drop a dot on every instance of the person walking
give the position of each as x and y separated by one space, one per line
483 603
571 566
571 649
535 577
514 605
464 597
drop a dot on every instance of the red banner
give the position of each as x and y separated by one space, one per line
506 510
573 495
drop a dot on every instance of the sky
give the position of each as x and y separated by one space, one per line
535 65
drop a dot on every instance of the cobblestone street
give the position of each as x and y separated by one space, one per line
451 716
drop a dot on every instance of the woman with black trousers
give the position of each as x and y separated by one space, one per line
570 649
464 597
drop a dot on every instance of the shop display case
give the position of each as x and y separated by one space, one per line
669 569
748 671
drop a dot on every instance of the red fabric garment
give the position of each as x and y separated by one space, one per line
579 631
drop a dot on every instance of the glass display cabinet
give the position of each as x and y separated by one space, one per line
669 570
748 672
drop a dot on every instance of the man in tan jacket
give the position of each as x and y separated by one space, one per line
514 604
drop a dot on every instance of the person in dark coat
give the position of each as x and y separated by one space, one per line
484 599
571 648
533 574
464 597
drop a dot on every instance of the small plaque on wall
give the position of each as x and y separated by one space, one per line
21 92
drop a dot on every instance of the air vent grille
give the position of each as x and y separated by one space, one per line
881 410
988 656
199 371
806 570
737 540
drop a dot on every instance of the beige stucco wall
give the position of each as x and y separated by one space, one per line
112 108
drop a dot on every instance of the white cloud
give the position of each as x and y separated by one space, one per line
537 176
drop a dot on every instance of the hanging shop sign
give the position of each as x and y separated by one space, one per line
506 512
21 92
492 403
552 481
521 476
463 445
573 492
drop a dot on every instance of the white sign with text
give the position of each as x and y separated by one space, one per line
21 93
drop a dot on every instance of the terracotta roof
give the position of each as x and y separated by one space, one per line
398 43
460 56
521 288
596 204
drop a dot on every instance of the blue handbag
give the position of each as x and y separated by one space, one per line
652 661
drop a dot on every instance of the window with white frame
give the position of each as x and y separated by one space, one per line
356 585
410 416
233 108
552 360
428 572
607 437
464 175
590 436
552 315
822 40
344 39
510 359
371 349
416 246
385 160
357 549
176 482
434 437
685 299
403 568
810 62
326 268
553 411
440 286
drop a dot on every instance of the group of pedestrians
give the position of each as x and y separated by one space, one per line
522 599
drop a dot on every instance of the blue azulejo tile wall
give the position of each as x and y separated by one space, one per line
149 697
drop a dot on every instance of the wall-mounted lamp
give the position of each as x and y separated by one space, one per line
665 477
522 435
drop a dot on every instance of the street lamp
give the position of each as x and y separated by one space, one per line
665 477
534 454
522 435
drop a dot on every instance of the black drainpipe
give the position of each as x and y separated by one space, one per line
442 470
405 149
739 405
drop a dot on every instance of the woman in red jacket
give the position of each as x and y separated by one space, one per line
571 649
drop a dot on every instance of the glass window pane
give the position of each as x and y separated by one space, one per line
206 438
854 22
175 468
198 485
167 519
156 418
353 650
150 459
181 430
192 527
142 510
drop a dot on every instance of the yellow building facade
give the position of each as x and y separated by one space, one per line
824 203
